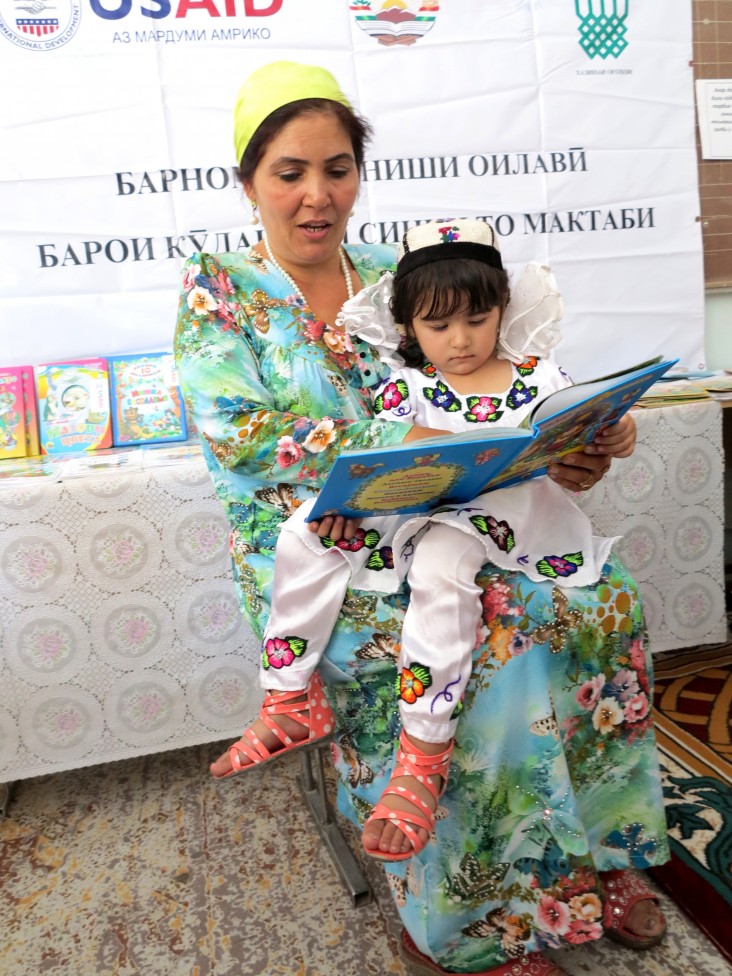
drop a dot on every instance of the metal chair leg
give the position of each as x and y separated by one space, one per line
6 794
315 791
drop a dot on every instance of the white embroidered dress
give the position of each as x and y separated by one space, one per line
534 528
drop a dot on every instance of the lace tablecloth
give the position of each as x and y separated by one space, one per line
121 631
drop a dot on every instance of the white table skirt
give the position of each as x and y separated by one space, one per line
121 631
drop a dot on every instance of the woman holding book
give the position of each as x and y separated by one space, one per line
545 789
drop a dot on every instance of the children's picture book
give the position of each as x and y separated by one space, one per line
17 471
147 404
73 406
158 457
101 462
18 414
12 413
32 432
455 468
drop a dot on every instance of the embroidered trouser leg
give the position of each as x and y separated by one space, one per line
440 630
307 594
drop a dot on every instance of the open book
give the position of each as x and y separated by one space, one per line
455 468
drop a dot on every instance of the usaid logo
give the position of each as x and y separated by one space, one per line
39 25
395 21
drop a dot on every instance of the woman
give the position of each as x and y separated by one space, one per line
554 776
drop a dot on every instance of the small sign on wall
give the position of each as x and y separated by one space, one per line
714 112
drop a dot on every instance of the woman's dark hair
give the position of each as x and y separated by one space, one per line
357 128
442 288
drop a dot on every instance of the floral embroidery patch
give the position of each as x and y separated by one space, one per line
443 398
566 565
280 652
413 682
427 369
483 409
391 396
449 234
360 539
381 559
520 394
527 367
500 532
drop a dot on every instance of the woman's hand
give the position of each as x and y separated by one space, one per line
579 471
335 526
617 440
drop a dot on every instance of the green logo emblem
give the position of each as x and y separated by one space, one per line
602 27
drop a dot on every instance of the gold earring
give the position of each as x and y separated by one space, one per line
255 212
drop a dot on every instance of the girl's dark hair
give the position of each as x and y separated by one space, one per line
442 288
357 128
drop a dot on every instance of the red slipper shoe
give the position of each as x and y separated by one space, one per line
534 964
313 712
622 890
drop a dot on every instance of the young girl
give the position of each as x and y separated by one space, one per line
464 367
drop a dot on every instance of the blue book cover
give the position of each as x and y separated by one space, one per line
453 469
147 404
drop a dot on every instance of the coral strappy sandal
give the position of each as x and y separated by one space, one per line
312 712
622 890
410 761
533 964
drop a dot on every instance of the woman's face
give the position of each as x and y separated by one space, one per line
305 187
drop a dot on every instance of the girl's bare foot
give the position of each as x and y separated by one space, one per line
295 730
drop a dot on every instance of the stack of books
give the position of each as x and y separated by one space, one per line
18 413
87 405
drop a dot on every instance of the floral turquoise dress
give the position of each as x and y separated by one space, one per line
554 774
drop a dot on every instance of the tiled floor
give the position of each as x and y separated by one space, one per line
148 867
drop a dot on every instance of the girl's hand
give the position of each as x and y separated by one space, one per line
617 440
335 526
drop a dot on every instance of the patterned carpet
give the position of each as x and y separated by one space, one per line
693 703
149 867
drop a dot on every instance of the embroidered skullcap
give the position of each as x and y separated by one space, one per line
440 241
274 85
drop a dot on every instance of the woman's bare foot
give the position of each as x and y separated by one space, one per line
295 730
646 919
643 923
383 835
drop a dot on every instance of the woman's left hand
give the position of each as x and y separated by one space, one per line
582 470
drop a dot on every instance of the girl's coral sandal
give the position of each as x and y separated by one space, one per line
312 711
411 761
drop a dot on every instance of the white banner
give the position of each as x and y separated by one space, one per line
568 123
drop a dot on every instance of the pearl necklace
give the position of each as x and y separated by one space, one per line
291 281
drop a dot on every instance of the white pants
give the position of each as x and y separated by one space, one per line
438 637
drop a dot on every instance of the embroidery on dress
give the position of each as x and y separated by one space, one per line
566 565
412 683
520 394
500 532
280 652
483 409
442 397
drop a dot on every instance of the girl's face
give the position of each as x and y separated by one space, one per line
461 343
305 187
